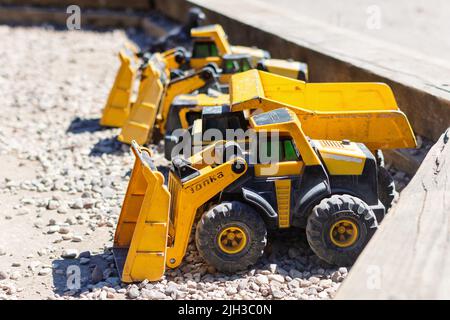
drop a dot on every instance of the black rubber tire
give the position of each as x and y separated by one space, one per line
226 214
386 188
331 210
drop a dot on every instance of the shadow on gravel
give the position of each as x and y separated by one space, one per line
287 254
108 146
72 277
79 125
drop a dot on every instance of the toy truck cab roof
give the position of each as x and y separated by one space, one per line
285 123
211 33
210 44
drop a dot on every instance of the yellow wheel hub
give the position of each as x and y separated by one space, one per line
344 233
232 240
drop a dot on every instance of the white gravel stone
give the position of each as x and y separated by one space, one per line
314 280
45 271
77 238
53 229
262 279
326 283
33 265
23 211
64 230
69 253
343 270
53 204
133 292
3 275
77 204
276 277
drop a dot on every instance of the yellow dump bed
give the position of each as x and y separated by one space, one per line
361 112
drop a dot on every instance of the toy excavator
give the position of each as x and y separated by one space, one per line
328 187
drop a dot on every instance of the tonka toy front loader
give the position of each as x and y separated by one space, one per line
156 94
119 101
328 188
361 112
156 221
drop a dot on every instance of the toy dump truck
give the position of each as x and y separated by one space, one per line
327 187
362 112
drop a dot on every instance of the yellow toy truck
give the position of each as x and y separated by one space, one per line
327 187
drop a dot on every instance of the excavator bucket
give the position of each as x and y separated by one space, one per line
117 107
139 123
140 241
361 112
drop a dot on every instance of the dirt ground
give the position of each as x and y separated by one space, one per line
48 79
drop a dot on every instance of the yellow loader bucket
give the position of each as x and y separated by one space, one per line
117 107
140 122
140 242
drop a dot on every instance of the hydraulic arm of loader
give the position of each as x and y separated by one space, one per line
361 112
118 105
155 222
154 100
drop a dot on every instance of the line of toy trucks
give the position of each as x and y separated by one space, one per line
328 180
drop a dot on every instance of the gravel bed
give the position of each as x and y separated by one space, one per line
63 179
